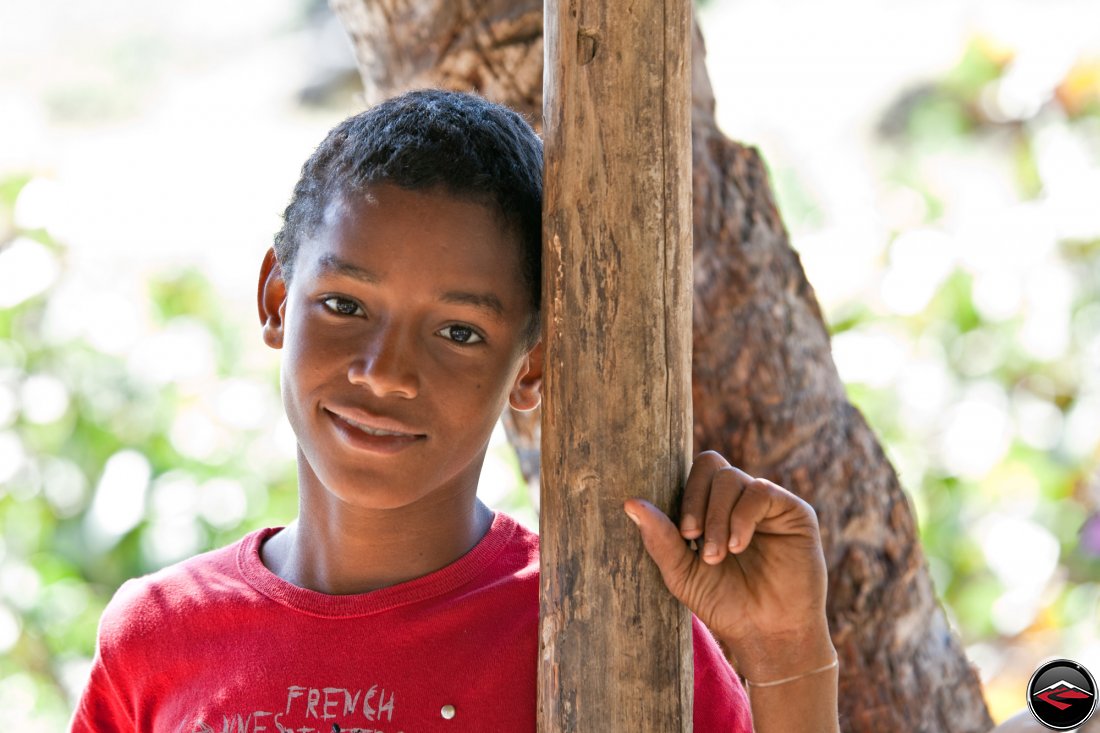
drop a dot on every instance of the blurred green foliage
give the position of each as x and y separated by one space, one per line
1044 479
1066 480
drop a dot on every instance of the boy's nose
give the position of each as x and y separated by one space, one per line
386 366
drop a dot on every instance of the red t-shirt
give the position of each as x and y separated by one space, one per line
220 643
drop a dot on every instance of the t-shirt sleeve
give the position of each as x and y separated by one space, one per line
721 705
100 708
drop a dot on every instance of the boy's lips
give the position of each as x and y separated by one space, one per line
372 432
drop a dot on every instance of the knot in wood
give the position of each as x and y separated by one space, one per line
588 41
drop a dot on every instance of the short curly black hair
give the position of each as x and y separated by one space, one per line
428 139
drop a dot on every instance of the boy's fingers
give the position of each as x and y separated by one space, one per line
725 490
693 507
663 543
760 501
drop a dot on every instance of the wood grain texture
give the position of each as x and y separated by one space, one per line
765 390
617 333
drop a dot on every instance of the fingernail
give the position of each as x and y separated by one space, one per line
688 524
634 518
733 544
710 549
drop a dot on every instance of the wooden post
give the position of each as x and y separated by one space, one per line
615 646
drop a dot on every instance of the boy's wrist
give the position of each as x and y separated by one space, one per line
764 660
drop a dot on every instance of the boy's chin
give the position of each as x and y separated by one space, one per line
376 499
377 494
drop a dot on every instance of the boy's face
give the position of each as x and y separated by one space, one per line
402 337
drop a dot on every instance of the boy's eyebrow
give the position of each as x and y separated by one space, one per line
486 301
333 264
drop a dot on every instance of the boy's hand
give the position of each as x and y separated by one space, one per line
758 579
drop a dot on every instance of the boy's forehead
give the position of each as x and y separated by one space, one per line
346 203
340 206
352 222
345 209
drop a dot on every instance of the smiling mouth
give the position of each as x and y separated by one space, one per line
373 430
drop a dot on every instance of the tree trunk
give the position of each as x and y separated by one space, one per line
765 391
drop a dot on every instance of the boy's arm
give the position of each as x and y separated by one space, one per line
758 581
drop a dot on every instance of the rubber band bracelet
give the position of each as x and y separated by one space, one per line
831 665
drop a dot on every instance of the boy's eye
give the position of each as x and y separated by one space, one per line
460 334
343 306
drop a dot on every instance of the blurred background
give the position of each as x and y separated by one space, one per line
937 164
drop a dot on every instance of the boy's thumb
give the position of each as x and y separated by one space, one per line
663 543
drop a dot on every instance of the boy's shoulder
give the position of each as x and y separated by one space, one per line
145 606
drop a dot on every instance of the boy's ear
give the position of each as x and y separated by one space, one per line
527 390
271 300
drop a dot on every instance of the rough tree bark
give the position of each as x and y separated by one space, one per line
765 390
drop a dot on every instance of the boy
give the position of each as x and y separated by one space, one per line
403 292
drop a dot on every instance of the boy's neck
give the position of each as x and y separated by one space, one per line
335 549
